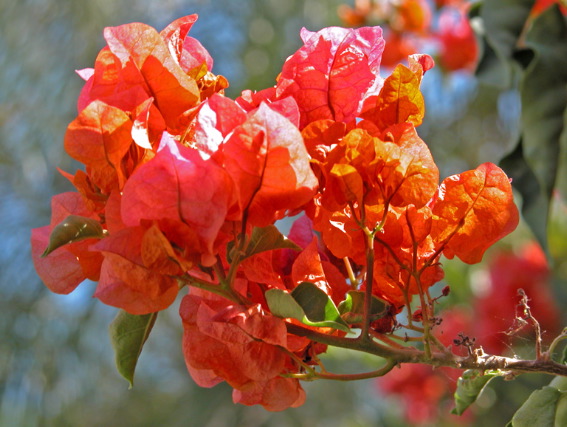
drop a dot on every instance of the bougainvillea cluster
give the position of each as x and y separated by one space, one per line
182 187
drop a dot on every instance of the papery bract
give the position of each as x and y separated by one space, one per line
100 137
320 136
416 177
399 100
263 268
64 269
250 100
331 74
308 268
217 118
175 33
61 272
240 346
276 394
473 210
405 245
128 280
266 158
174 91
188 51
93 198
121 86
178 185
341 233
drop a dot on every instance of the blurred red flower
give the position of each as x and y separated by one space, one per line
496 309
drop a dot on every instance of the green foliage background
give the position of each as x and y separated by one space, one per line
56 363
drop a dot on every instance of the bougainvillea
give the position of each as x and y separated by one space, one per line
183 186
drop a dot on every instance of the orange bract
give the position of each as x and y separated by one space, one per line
399 100
472 211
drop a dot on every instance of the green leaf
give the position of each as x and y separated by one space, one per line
539 410
128 333
559 382
564 356
282 304
72 229
308 304
469 386
561 411
316 304
543 91
561 179
502 23
352 308
266 239
491 69
526 183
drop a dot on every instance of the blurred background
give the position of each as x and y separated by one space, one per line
56 362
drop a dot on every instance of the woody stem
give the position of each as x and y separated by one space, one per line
347 377
369 281
410 355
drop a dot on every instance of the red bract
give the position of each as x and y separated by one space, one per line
309 267
136 271
65 268
180 190
188 52
332 73
175 92
276 394
459 48
101 137
266 158
217 118
405 248
241 346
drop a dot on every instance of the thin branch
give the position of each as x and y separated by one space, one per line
345 377
369 283
351 276
524 307
214 288
386 339
478 360
549 353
